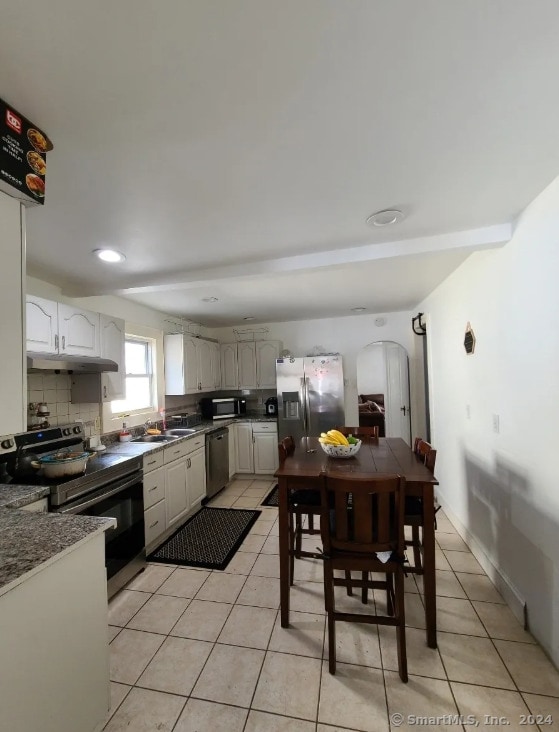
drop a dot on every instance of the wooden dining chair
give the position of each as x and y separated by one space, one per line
303 504
414 506
361 516
367 433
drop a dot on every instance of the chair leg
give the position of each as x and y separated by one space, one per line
311 523
291 549
401 627
330 609
416 547
365 589
298 535
349 589
389 595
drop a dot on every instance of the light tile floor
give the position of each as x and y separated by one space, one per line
200 651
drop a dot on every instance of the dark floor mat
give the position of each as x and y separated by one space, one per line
209 539
272 497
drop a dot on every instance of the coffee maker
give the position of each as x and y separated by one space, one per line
272 407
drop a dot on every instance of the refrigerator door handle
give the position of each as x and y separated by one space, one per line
303 401
307 406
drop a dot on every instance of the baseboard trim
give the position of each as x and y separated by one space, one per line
506 587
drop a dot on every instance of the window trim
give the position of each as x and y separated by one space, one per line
150 372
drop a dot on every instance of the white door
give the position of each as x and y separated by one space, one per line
246 358
196 476
229 370
190 365
245 461
265 453
112 347
397 413
41 325
176 493
78 331
205 370
266 354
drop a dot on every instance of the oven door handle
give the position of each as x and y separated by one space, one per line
127 483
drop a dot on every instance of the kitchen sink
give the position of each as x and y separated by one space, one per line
180 431
156 438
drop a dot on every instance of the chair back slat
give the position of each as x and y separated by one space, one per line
289 444
367 433
282 453
367 514
430 459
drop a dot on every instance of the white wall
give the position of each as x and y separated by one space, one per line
345 335
504 488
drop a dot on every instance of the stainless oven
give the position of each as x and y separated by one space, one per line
123 500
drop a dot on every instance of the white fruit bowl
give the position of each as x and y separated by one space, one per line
341 451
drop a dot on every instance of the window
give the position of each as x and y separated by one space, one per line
139 377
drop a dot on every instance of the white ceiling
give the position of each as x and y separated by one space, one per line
215 142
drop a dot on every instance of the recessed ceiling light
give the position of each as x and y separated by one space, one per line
109 255
210 299
358 310
386 217
249 317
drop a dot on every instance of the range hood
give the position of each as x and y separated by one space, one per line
63 362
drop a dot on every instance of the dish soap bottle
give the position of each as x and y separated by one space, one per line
124 435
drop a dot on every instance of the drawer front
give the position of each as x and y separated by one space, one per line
154 487
195 443
154 519
264 427
152 461
174 452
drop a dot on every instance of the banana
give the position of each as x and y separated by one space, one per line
337 435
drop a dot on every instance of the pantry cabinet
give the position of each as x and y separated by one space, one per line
188 364
54 327
249 364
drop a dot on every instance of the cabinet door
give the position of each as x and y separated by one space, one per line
266 354
176 493
112 347
154 522
245 462
196 476
190 360
216 366
41 325
265 452
205 371
229 370
232 449
246 357
78 331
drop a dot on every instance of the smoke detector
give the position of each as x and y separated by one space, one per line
386 217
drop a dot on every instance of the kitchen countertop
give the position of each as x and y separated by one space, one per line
30 541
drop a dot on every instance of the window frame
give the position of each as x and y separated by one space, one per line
150 346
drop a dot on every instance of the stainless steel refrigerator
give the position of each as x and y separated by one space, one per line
310 395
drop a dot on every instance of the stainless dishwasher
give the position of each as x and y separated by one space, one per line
217 461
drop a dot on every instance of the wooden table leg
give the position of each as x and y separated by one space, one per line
283 515
429 585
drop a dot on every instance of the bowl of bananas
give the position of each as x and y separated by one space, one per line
337 445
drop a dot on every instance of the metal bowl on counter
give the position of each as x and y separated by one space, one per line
63 464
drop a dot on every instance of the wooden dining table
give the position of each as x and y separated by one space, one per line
306 467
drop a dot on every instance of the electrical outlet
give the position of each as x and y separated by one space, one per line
97 424
496 424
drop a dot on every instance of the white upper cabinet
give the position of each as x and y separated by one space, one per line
216 366
112 347
249 364
246 358
58 328
42 325
205 371
229 370
266 354
189 364
78 331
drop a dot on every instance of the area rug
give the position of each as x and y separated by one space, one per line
272 497
209 539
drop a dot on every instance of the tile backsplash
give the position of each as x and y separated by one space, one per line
54 389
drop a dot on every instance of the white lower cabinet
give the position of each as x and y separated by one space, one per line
196 476
257 447
155 520
232 449
245 460
176 493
